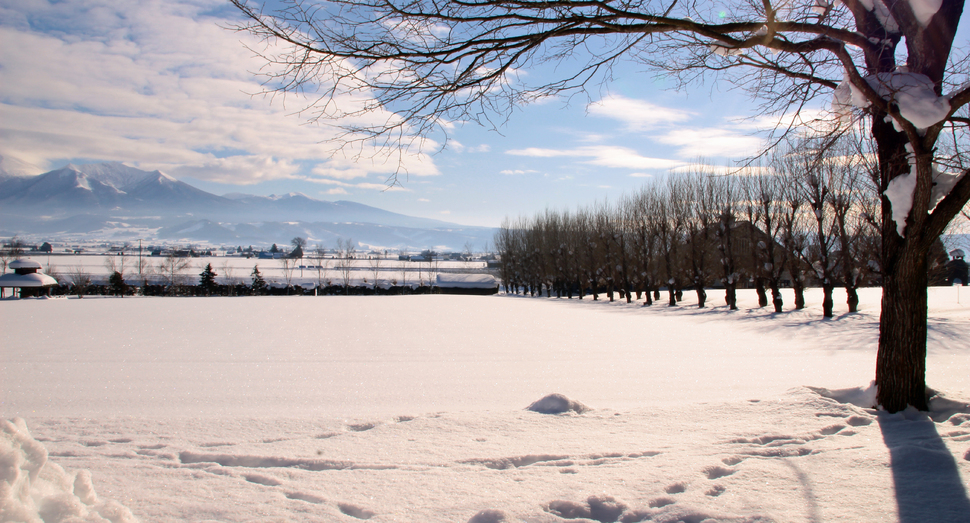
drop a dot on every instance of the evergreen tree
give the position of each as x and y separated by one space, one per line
275 249
259 284
117 284
207 279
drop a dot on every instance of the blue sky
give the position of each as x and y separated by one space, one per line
160 85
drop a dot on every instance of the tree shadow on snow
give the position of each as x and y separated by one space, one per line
925 475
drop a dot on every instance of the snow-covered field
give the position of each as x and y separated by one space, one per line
308 272
413 408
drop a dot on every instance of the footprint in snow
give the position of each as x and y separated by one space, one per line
661 502
598 508
490 515
715 491
260 479
832 429
355 512
858 421
676 488
303 496
361 427
717 471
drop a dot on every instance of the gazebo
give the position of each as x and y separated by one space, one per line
26 275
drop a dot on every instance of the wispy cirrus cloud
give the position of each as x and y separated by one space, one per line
602 155
638 115
711 142
384 187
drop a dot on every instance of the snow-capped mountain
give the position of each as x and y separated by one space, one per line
101 187
113 199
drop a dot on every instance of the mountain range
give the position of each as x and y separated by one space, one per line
119 202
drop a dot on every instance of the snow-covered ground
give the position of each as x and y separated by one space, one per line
413 408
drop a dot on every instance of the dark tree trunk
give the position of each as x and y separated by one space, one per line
827 302
759 286
799 294
776 298
731 296
701 297
901 361
852 298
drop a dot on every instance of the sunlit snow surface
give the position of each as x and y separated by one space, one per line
413 408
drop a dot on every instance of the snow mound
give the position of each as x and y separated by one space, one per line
557 404
33 489
863 397
490 515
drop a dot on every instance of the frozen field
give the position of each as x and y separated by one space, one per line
413 408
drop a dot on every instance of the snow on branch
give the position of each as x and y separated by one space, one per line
912 93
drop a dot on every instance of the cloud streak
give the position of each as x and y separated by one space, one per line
161 85
601 155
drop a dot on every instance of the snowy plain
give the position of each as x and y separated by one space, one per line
413 408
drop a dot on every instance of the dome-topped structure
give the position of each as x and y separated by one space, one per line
26 275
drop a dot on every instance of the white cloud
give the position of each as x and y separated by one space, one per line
337 190
637 115
425 200
711 142
723 170
238 169
517 171
158 84
383 187
603 155
641 175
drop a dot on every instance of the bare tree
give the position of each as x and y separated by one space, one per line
117 263
375 267
5 258
171 268
323 268
228 277
403 256
430 63
80 280
287 266
346 269
434 263
794 235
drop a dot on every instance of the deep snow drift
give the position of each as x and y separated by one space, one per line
414 408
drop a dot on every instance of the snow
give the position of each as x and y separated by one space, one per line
913 93
414 408
925 9
943 183
900 193
466 281
35 489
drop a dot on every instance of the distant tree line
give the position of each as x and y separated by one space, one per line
809 216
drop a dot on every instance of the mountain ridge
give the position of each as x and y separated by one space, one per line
119 198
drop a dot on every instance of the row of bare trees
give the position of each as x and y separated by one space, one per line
810 216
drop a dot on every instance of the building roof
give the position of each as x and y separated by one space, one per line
24 264
34 279
467 281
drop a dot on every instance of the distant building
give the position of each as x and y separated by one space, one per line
957 270
451 283
26 277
